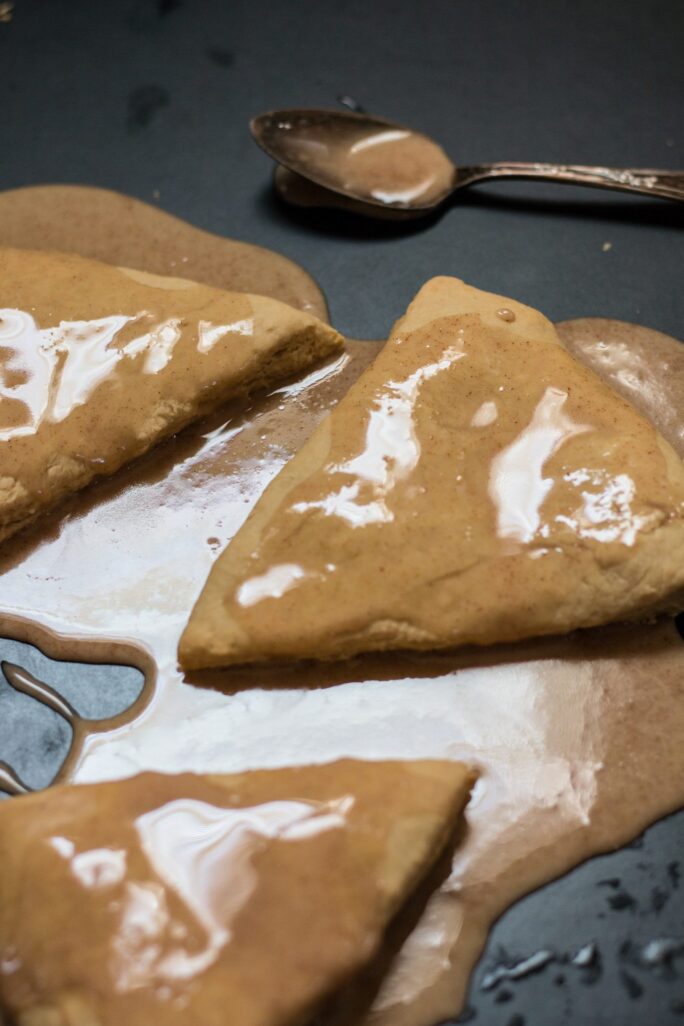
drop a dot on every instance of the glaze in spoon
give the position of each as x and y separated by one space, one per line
382 169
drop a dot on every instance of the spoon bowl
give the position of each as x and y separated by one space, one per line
370 161
383 169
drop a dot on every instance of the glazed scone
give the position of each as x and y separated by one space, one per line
185 900
100 363
476 485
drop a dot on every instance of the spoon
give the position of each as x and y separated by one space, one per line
383 169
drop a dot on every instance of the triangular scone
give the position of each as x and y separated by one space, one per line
475 485
185 900
98 363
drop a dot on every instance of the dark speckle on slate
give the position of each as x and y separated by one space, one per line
503 997
559 980
219 55
516 1020
673 873
53 741
621 900
467 1015
143 104
677 1007
613 881
593 973
628 953
145 15
659 898
631 985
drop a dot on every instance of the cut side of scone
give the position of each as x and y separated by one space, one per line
476 485
100 363
186 900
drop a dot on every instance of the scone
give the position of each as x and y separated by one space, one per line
185 900
100 363
476 485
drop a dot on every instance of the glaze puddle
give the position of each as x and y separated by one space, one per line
567 733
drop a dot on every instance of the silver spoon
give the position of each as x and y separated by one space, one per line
382 169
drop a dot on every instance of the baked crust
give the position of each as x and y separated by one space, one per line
476 485
101 363
189 899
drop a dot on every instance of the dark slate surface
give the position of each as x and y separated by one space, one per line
153 99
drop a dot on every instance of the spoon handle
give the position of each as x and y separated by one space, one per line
666 184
